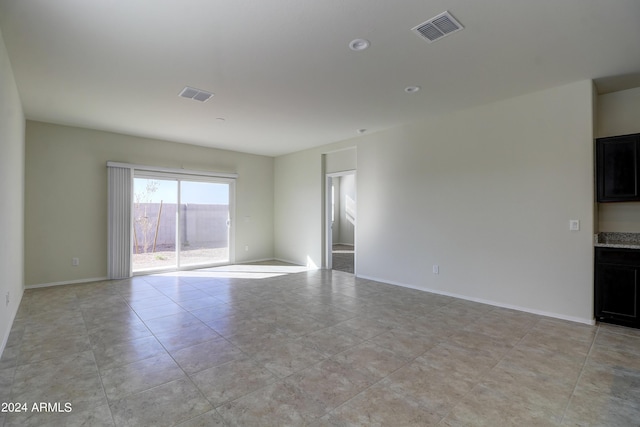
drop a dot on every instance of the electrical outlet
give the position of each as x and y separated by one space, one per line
75 262
246 248
436 269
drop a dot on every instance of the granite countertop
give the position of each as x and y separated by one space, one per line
618 240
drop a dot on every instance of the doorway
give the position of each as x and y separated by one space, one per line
180 223
341 221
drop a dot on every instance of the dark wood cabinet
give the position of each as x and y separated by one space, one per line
616 286
617 163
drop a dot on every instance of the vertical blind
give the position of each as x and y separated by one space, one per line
119 229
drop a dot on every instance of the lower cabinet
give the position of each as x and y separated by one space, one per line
616 286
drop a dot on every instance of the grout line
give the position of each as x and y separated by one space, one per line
78 308
186 375
104 391
376 382
584 364
486 374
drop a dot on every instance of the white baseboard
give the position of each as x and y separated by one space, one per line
294 262
270 259
13 318
255 260
66 282
484 301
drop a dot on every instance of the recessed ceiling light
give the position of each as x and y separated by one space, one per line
412 89
359 44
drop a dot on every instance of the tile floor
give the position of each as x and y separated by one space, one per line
320 348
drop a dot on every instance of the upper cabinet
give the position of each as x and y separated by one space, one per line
617 162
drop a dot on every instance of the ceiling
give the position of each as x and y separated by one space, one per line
282 72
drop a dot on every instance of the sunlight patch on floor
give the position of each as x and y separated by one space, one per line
239 271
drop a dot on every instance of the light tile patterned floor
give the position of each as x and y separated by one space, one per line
240 347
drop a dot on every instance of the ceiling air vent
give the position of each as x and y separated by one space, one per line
197 94
438 27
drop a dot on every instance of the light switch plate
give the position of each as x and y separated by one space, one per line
574 224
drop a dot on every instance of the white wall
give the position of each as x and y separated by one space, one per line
341 160
485 193
618 113
298 193
343 231
12 124
347 229
335 225
66 196
299 181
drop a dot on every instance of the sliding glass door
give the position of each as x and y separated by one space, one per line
204 223
154 224
180 222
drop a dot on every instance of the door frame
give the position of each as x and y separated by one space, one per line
328 234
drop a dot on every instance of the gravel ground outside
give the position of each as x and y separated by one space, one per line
166 258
